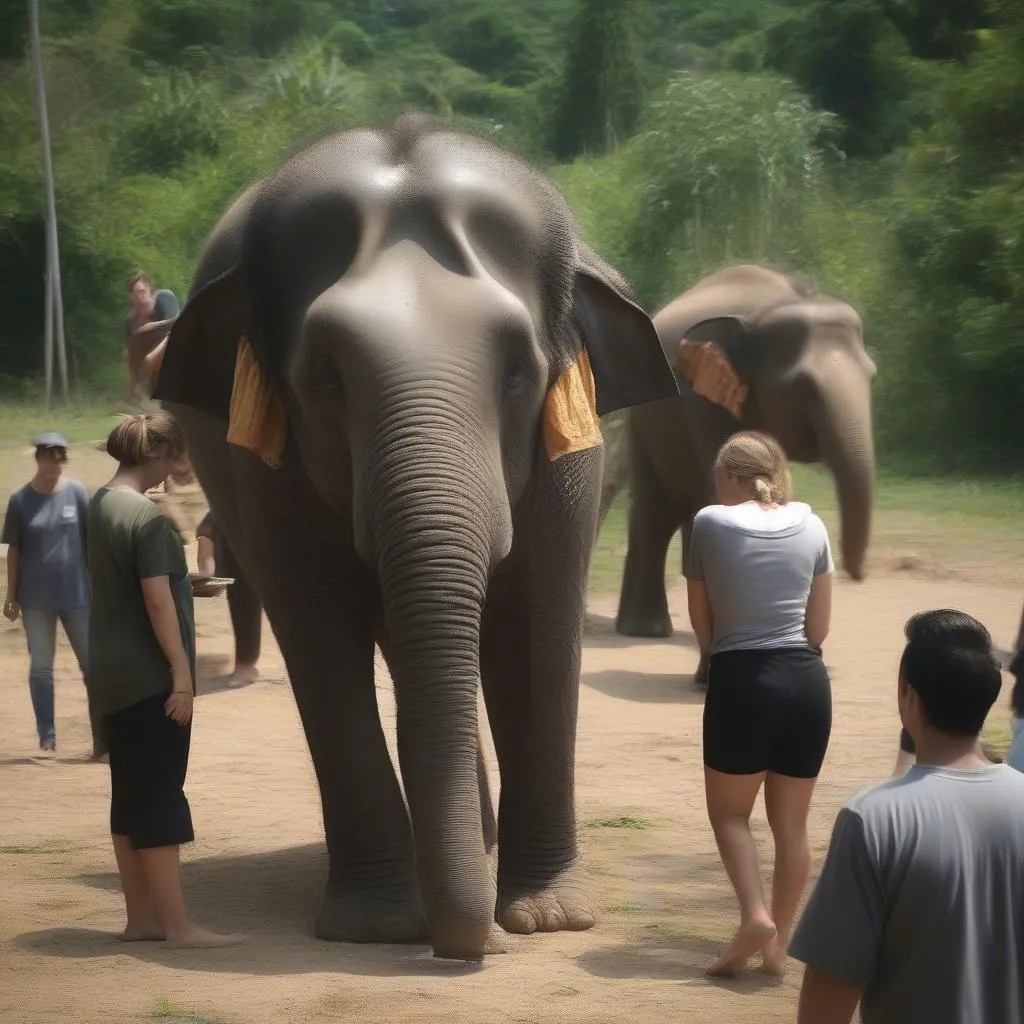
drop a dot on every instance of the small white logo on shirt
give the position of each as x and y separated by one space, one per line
70 513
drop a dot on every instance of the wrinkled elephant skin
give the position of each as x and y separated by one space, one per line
408 297
797 361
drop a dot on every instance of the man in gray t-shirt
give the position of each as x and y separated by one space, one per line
919 910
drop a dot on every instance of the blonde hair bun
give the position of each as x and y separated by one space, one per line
759 459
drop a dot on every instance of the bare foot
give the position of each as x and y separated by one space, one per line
195 937
749 939
243 675
773 961
151 932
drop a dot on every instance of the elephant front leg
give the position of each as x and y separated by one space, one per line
530 663
323 604
530 678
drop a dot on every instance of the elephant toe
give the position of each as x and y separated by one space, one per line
563 904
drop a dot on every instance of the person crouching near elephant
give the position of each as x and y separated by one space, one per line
215 558
142 677
759 588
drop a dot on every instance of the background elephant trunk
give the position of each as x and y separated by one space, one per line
847 448
438 523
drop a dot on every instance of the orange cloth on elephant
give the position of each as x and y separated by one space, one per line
571 423
257 418
708 369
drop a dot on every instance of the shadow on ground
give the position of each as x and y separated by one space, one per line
668 958
645 687
270 897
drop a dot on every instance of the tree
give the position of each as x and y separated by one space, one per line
601 93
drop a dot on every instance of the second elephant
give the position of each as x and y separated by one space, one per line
753 349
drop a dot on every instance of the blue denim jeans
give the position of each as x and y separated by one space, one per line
41 633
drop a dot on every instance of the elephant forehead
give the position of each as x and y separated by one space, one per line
445 187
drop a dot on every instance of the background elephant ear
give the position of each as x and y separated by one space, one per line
711 357
198 365
623 348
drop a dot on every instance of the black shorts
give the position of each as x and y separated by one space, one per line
767 711
148 761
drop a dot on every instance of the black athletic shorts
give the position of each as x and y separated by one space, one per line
767 711
148 761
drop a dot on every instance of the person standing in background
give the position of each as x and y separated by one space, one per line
759 590
215 558
47 582
147 324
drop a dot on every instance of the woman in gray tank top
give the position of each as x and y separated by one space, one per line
759 588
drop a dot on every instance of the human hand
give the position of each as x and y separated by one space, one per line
12 610
178 706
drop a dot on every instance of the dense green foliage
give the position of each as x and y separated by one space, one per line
875 145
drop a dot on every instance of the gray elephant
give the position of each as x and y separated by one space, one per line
753 349
389 372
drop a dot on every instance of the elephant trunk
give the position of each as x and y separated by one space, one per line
847 448
436 526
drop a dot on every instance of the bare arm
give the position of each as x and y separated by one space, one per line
818 615
700 613
156 591
826 1000
13 579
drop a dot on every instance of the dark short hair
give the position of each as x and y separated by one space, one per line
139 275
950 664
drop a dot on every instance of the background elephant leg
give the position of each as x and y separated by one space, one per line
653 519
530 660
245 610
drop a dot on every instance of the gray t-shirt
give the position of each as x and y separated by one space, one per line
757 564
920 903
49 532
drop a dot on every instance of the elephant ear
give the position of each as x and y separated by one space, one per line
711 358
623 348
208 364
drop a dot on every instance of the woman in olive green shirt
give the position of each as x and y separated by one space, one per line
142 677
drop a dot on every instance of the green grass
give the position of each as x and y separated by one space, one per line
624 822
38 848
88 420
165 1010
970 527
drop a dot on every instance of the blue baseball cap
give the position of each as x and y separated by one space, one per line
50 440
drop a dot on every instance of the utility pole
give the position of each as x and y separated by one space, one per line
54 297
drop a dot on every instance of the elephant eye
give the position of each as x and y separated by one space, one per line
517 376
324 373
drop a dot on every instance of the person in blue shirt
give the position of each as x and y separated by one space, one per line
47 581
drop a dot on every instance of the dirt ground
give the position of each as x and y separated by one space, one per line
258 863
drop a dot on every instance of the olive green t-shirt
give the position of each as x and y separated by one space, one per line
130 540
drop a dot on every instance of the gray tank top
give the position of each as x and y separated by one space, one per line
757 565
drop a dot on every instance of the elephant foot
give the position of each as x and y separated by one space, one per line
658 625
354 913
564 903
